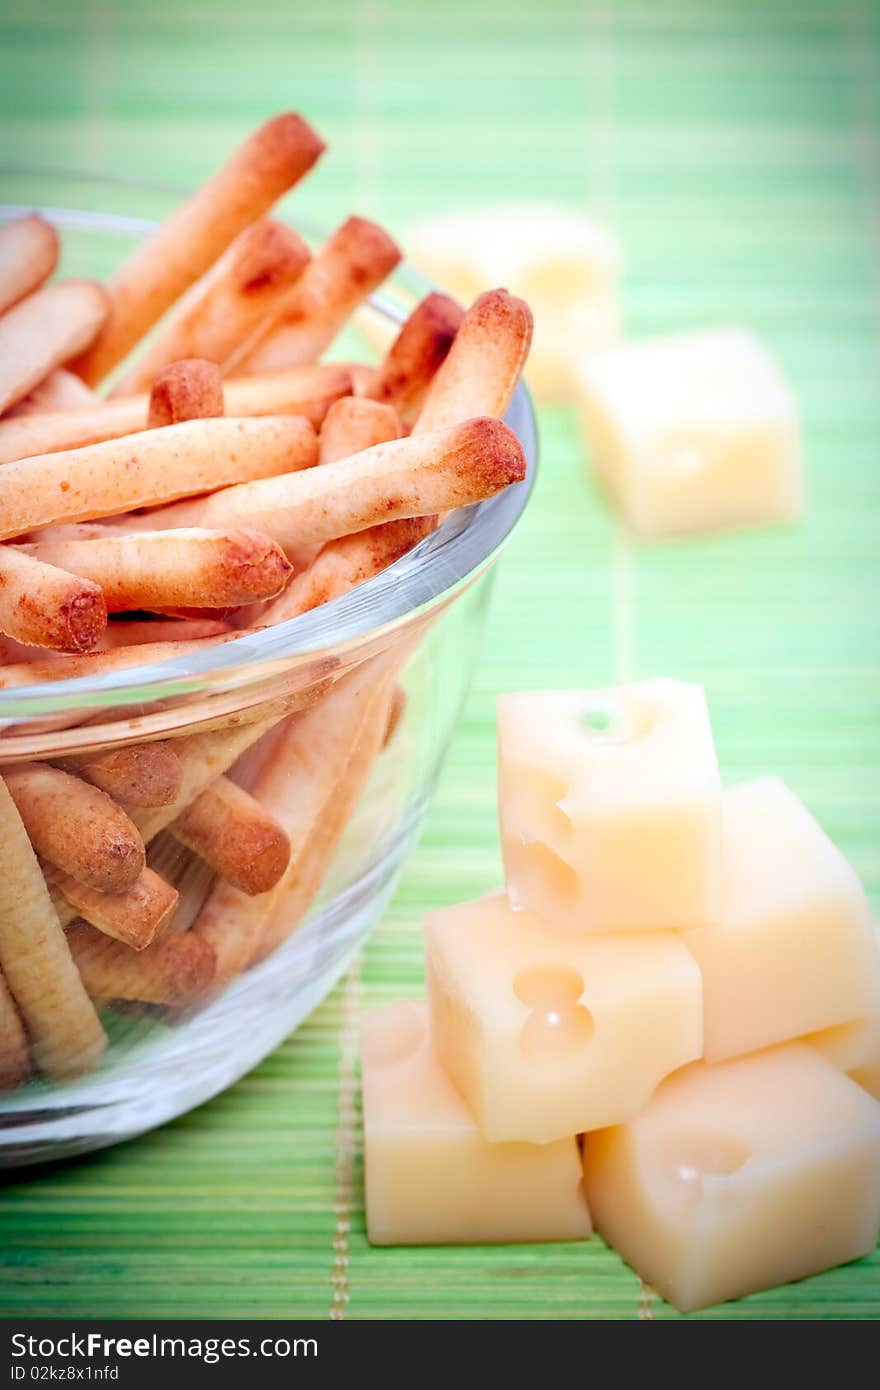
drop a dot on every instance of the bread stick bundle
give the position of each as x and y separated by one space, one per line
317 854
351 424
413 477
307 391
349 266
144 470
257 173
231 482
240 295
302 777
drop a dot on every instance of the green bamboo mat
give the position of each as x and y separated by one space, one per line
736 147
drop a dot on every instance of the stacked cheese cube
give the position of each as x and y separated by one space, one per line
686 977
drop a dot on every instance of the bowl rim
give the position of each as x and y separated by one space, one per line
429 575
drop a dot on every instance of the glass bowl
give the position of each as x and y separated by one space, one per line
410 636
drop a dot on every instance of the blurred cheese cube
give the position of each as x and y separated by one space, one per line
794 951
430 1176
697 431
855 1047
563 263
547 1035
740 1176
610 806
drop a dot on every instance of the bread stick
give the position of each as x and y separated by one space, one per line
62 668
144 774
15 1062
135 917
301 778
173 970
28 255
241 293
65 1034
142 470
76 826
232 832
308 391
484 364
61 390
205 756
265 165
419 350
44 606
410 477
136 632
45 329
343 564
191 389
170 569
343 272
315 859
354 423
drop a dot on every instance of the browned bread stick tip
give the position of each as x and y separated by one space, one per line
188 389
419 350
144 774
76 826
42 605
172 970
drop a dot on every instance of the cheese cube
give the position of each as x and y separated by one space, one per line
609 806
740 1176
565 264
546 1035
794 951
697 431
855 1047
431 1178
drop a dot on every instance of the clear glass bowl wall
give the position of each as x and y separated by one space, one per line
430 606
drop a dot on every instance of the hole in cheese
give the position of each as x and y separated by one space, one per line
620 720
690 1156
558 1024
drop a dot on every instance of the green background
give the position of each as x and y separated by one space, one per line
736 149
